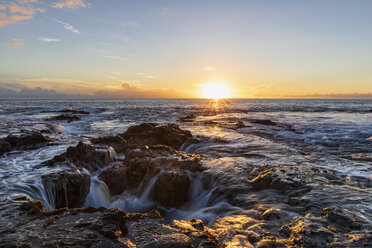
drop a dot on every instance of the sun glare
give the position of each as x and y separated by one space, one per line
215 91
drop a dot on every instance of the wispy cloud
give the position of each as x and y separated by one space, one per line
208 68
14 43
68 26
46 39
115 57
15 11
71 4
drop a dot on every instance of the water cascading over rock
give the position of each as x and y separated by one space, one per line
66 188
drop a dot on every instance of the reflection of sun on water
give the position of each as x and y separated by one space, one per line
216 91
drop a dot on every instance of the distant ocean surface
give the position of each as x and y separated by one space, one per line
331 134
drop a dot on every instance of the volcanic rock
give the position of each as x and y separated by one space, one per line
172 189
67 188
141 164
117 142
280 179
115 179
73 111
65 117
187 118
264 122
97 227
26 140
156 134
4 146
145 163
303 233
85 156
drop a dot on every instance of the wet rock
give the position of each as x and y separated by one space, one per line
150 232
303 233
156 134
270 244
67 188
163 163
73 111
98 228
342 218
117 142
274 213
187 118
65 117
273 179
115 179
143 163
264 122
4 146
226 124
32 207
171 189
85 156
27 140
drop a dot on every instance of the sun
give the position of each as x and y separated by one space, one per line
215 91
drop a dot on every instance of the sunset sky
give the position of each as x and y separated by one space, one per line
174 48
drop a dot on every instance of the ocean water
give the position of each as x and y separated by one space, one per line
327 134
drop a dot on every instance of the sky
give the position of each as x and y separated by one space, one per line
174 48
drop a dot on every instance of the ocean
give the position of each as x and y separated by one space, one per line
333 135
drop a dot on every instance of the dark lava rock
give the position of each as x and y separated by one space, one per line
274 213
303 233
188 118
115 179
264 122
145 163
226 124
142 164
4 146
342 218
66 117
26 140
156 134
85 156
117 142
92 227
171 189
67 188
73 111
271 179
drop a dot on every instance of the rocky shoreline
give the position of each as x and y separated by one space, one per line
276 206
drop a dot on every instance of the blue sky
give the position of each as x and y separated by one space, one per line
171 48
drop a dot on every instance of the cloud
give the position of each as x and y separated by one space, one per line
71 4
130 90
115 57
68 26
54 88
9 19
46 39
208 68
15 43
37 92
13 12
